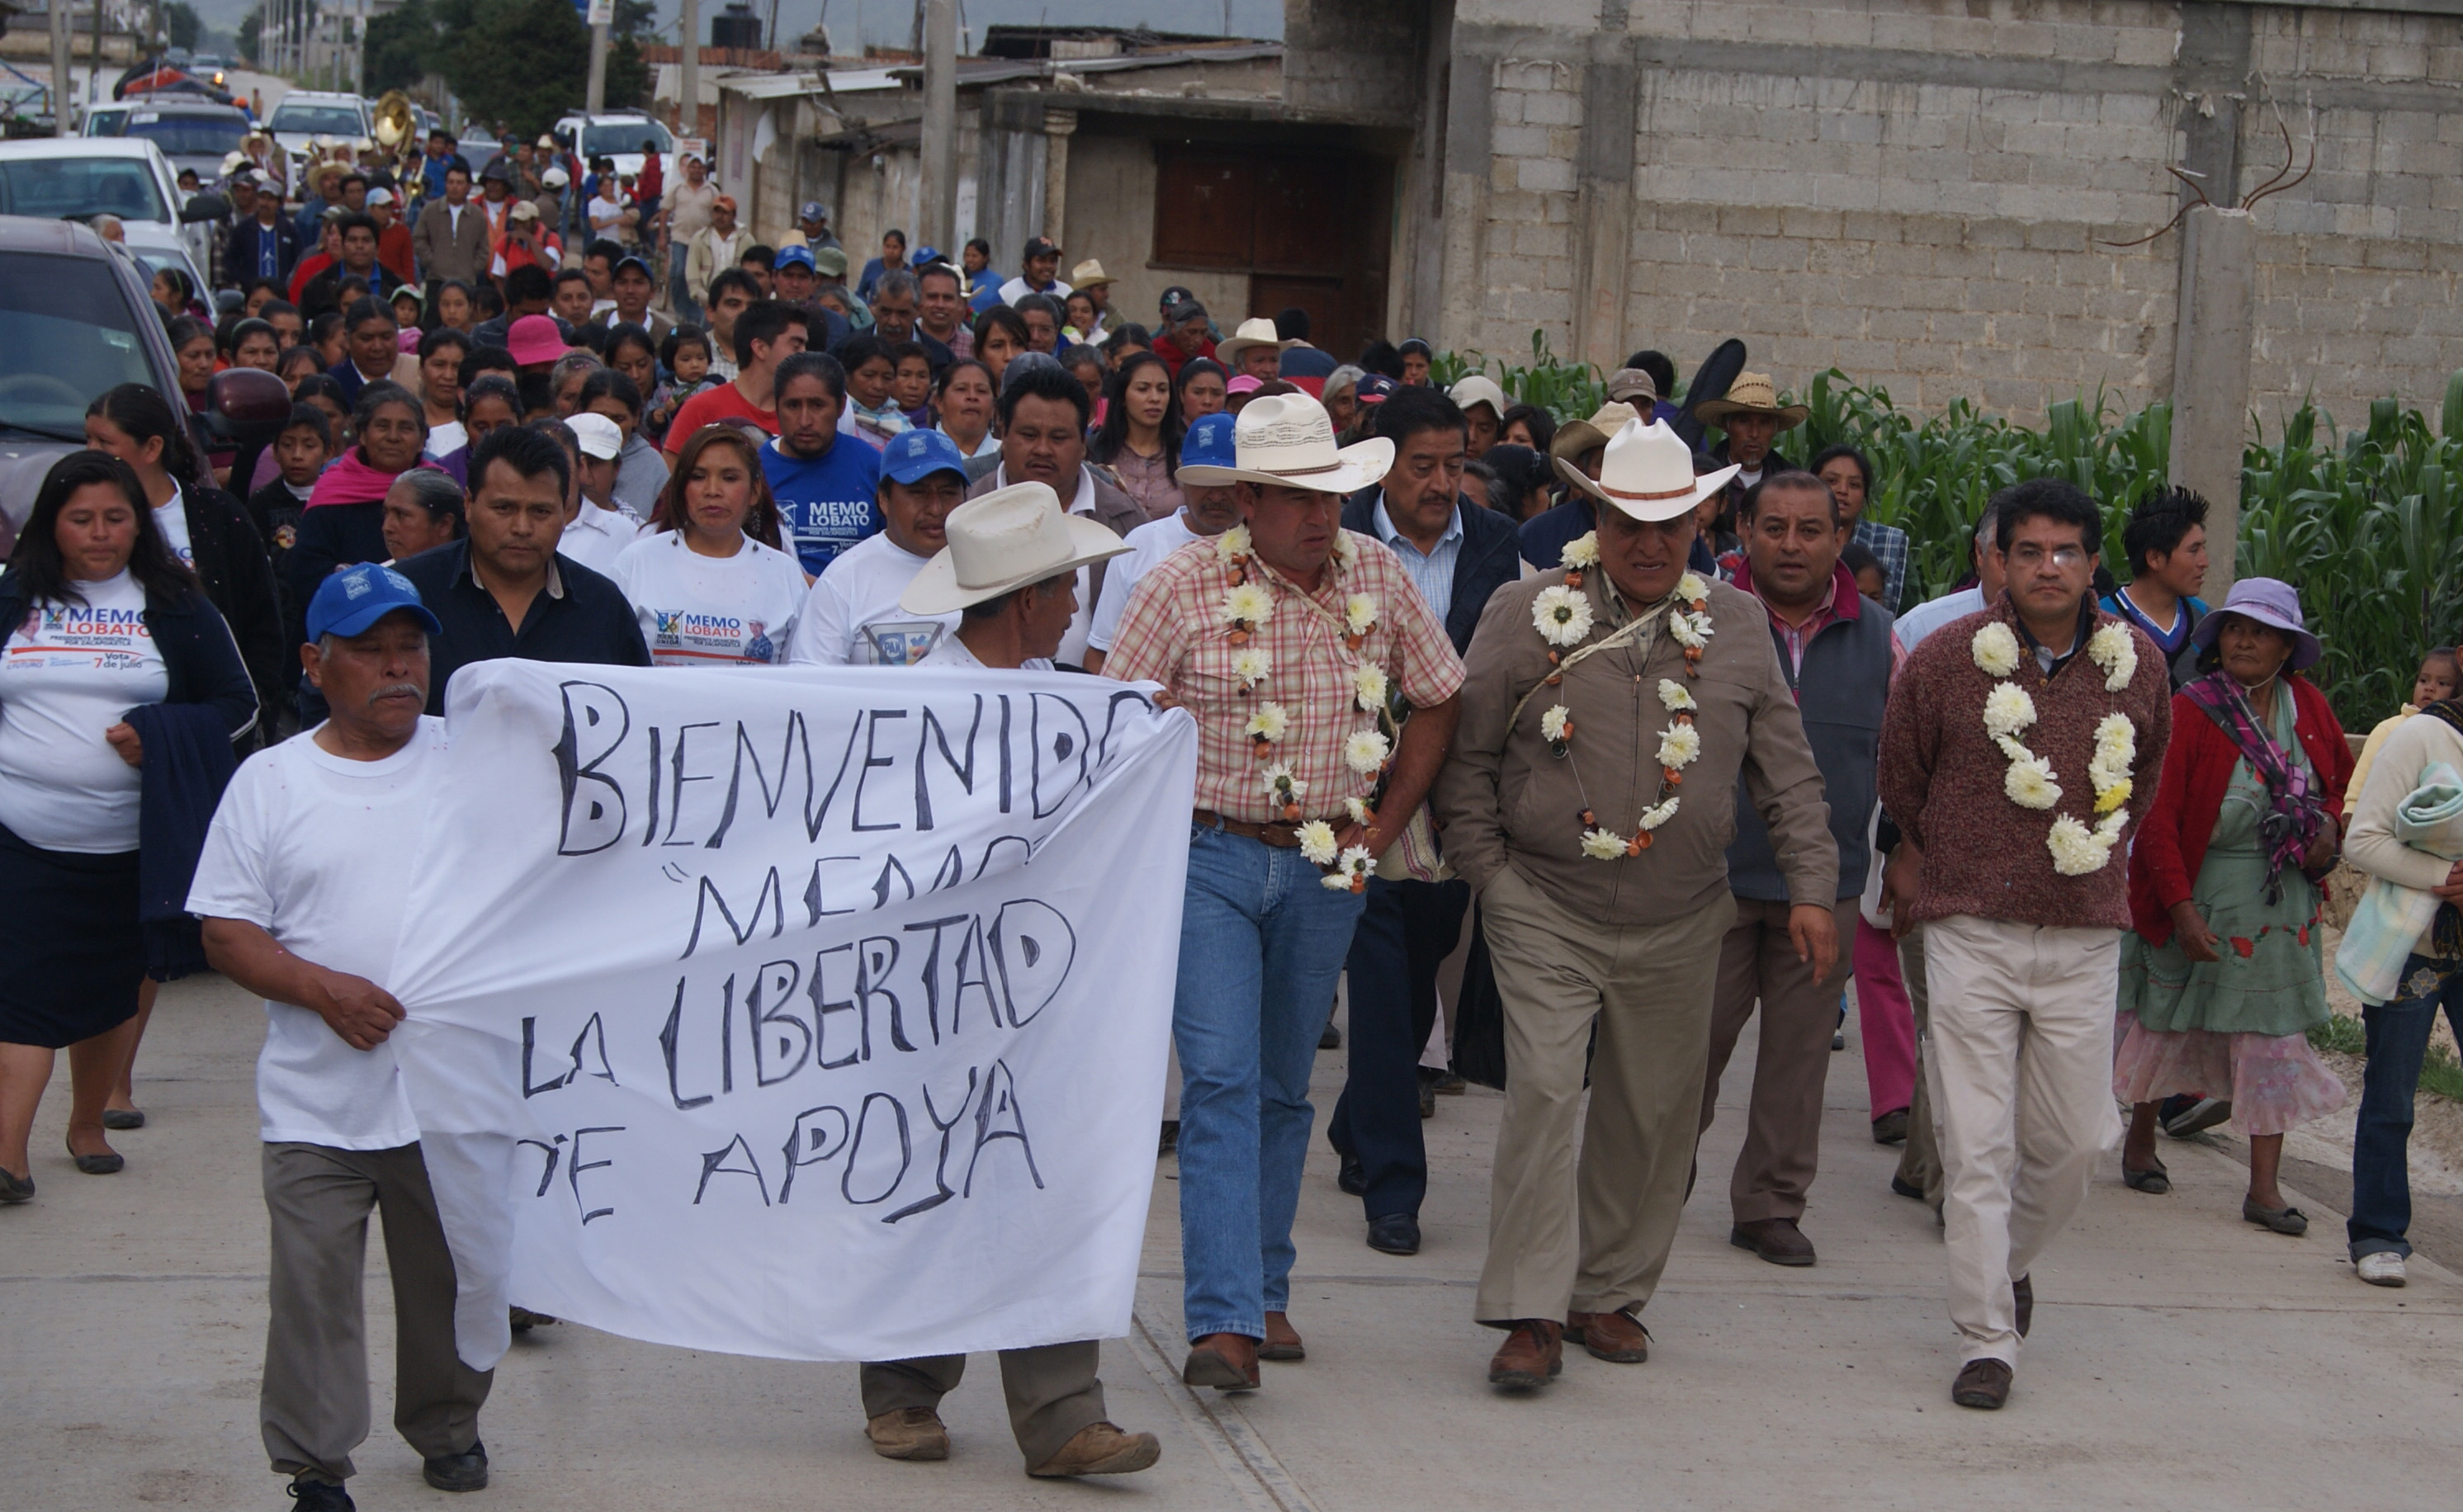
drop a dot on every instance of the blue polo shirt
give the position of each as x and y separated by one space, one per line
827 502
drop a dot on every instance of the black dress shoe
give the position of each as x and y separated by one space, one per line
1981 1384
1170 1140
321 1495
1331 1039
109 1164
1427 1099
1905 1188
463 1471
1352 1177
1395 1234
2023 1292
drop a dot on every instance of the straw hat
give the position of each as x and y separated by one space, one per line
1258 331
1089 274
1285 441
1005 540
1751 394
1578 436
1649 473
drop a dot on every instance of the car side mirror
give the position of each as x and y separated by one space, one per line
247 407
205 208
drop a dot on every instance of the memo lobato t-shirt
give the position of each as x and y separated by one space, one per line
699 610
852 617
828 503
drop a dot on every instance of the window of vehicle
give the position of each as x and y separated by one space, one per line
53 187
303 118
611 138
195 136
106 121
65 336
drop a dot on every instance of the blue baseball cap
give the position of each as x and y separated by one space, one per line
349 601
795 256
1208 443
913 456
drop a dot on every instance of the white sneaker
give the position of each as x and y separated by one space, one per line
2385 1268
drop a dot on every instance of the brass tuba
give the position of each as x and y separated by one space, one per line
397 132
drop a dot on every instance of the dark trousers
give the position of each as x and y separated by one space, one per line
1404 933
1051 1389
2398 1042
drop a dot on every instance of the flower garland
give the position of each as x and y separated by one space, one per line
2031 783
1563 618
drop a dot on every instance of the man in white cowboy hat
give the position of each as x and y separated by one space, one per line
1287 636
1089 278
1750 417
1011 571
1609 709
1576 452
1255 348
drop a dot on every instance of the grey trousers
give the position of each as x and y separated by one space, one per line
1782 1149
313 1405
1919 1158
1053 1391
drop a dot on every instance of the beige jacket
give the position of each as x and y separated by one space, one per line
1503 799
2371 844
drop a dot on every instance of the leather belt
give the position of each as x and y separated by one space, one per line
1281 836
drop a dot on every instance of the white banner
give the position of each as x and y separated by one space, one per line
818 1013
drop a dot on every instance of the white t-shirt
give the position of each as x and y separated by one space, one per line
172 520
952 652
701 611
68 673
852 617
443 440
596 537
1148 544
1017 288
310 846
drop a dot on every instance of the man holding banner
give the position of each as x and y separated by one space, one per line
1285 637
1010 567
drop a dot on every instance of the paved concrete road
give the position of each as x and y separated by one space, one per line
2180 1358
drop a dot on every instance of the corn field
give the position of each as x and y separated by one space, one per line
2364 524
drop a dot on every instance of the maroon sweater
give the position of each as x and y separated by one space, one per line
1942 776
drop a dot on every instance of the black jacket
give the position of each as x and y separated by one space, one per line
1487 561
237 575
199 656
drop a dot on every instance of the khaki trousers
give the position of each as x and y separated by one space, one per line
1647 988
2025 1036
1799 1014
1920 1160
1053 1391
313 1405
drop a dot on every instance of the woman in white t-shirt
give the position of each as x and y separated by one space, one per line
100 621
709 583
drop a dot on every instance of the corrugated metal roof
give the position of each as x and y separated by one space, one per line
779 86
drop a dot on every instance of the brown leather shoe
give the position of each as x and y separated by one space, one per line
1532 1354
1983 1384
909 1432
1776 1240
1228 1362
1102 1449
1282 1340
2022 1291
1616 1337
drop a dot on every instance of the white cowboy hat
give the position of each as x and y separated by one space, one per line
1285 441
1480 389
1254 332
1089 274
1005 540
1647 472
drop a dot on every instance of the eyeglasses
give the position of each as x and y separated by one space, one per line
2029 556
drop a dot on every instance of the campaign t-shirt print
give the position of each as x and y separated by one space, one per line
106 638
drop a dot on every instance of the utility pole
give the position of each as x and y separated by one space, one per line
602 15
60 110
688 75
939 122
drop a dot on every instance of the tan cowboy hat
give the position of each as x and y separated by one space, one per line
1285 441
1479 389
1255 332
1089 274
1005 540
1578 436
1751 394
1649 473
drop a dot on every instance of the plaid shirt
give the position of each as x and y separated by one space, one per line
1889 545
1173 633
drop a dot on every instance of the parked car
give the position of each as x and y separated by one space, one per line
618 135
106 120
82 177
75 320
192 132
305 115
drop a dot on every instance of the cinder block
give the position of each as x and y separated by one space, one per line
1780 254
1548 175
1749 220
1868 225
1520 142
1552 108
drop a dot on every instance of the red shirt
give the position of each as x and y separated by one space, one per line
652 178
309 268
714 406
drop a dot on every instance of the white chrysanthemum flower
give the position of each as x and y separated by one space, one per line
1269 721
1692 631
1359 614
1369 687
1679 745
1995 650
1659 813
1317 843
1232 543
1357 862
1251 665
1282 784
2008 710
1342 552
2077 850
1673 696
1600 845
1582 550
1365 751
1557 723
2013 750
1692 589
1563 616
1335 882
2114 733
1358 808
2030 784
1249 604
2108 829
2112 649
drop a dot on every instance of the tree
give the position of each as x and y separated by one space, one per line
180 24
401 47
628 76
247 38
519 63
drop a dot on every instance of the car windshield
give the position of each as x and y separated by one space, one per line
65 336
306 119
53 187
609 140
189 136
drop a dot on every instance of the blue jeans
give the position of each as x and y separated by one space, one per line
1261 942
679 299
2398 1042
